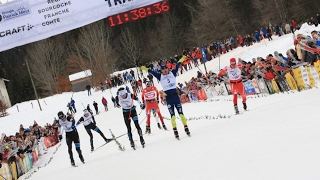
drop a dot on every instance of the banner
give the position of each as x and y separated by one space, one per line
316 66
262 86
291 82
298 75
310 77
314 74
255 85
204 54
248 86
275 86
26 21
305 76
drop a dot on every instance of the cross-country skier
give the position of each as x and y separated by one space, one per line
150 96
236 84
168 82
88 125
125 100
68 124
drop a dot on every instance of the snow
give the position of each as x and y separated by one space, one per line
278 138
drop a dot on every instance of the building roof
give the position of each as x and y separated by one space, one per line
80 75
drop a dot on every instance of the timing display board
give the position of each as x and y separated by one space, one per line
139 13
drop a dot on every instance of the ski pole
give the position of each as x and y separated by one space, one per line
132 130
209 83
140 122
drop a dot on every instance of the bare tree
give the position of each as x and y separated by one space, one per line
92 50
131 48
46 59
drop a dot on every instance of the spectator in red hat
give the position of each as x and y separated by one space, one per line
236 84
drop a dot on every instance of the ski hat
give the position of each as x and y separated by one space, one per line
295 41
60 115
85 111
233 61
122 92
163 66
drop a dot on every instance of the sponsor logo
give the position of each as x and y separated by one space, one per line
14 13
114 3
16 30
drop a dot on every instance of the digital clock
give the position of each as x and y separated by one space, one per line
139 13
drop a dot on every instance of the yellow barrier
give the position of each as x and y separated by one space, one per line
275 86
291 82
298 75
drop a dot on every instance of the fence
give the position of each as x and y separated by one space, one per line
18 167
299 78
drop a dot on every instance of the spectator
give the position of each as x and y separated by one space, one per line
88 87
72 102
95 105
114 101
70 107
105 103
101 86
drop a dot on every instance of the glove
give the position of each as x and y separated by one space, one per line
60 137
143 68
142 106
73 127
182 59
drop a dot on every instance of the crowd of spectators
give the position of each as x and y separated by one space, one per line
13 147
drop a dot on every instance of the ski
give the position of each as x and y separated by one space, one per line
101 146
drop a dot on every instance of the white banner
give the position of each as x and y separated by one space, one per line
315 75
26 21
305 76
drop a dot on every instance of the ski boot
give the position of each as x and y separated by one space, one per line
159 126
81 159
108 140
148 130
142 141
186 129
236 109
132 144
244 106
72 163
176 134
164 126
92 148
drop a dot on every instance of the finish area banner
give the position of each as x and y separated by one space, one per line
26 21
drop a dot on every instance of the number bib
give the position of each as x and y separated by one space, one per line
127 102
168 81
234 74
